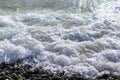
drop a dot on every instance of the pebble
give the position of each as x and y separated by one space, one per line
15 71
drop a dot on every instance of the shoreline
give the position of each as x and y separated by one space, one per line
18 71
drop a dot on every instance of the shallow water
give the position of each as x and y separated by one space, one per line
72 35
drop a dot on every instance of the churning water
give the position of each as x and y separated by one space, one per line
80 36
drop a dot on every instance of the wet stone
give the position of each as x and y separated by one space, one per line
6 78
15 71
14 76
56 78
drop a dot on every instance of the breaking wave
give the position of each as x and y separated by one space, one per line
85 41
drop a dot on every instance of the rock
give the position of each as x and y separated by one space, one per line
3 65
10 67
27 76
14 76
6 78
20 77
62 73
105 76
56 78
2 73
14 71
35 78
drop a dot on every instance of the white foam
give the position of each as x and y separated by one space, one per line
71 41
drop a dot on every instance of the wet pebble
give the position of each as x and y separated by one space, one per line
15 71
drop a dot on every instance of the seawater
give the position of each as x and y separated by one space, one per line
77 36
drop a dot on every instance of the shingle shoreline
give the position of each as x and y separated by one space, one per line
18 71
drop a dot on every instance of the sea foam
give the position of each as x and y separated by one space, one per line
73 41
